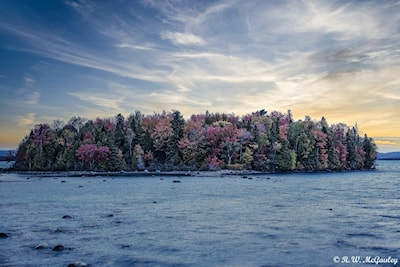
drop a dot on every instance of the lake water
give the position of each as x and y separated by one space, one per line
269 220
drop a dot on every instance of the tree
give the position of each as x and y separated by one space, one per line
120 132
370 152
321 155
230 142
177 125
339 157
92 154
130 136
77 123
135 124
244 138
286 158
351 150
302 141
138 160
10 156
161 137
193 146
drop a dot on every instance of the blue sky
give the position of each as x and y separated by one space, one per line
338 59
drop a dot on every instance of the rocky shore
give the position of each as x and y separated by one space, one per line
218 173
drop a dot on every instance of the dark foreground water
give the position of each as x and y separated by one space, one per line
271 220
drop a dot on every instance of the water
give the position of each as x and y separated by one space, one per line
6 164
270 220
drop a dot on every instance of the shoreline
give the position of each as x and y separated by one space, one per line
216 173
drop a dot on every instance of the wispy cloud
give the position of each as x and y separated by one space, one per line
27 120
338 59
53 47
29 81
134 47
387 144
108 102
182 38
32 98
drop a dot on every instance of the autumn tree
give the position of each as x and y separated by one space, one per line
161 135
193 145
93 155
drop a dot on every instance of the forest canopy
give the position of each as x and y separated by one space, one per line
262 141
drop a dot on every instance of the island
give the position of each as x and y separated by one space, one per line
260 141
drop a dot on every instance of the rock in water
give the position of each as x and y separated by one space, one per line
58 248
176 181
67 217
41 246
3 235
78 264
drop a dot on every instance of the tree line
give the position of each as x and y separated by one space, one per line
260 141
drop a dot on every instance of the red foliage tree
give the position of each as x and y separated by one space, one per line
92 154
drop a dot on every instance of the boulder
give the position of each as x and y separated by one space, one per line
58 248
78 264
3 235
42 246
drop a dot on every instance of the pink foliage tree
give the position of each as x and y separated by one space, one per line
92 154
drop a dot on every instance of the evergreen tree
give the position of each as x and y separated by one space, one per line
351 150
286 158
177 125
120 132
369 148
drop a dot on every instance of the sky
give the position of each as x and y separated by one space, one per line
337 59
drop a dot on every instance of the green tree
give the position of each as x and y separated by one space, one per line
177 125
120 132
286 157
302 141
369 148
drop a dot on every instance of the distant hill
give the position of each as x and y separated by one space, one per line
389 156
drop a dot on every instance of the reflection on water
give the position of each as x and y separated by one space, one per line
274 220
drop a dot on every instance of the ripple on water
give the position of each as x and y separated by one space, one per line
200 222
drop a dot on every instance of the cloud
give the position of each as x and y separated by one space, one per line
341 22
84 7
27 120
29 81
109 102
391 141
335 59
387 144
134 47
32 98
56 48
182 38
